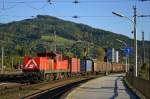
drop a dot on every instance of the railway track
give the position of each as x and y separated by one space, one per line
51 89
12 77
57 91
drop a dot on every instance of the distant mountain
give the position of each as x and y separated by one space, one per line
38 34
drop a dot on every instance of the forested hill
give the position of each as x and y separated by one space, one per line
38 34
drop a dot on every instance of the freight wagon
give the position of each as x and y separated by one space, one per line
101 67
75 65
117 67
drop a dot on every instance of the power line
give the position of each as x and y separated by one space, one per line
144 16
73 1
30 6
74 16
13 6
28 3
144 0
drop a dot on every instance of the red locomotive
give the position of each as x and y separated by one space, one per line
47 66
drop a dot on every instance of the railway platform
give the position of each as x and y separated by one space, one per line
107 87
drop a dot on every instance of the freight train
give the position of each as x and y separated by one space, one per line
52 66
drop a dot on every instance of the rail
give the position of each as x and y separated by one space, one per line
27 90
56 92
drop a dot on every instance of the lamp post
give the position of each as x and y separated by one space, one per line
125 55
135 36
125 44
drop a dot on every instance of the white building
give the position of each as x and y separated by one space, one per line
117 57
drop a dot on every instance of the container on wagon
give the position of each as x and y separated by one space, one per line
118 67
82 66
95 65
75 65
88 66
102 66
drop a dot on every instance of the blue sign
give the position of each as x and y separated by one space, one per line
127 51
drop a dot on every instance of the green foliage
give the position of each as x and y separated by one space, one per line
59 40
100 54
29 36
68 55
143 72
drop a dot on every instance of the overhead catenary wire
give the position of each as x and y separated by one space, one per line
40 8
7 8
60 1
144 16
72 1
29 3
62 16
26 4
144 0
72 16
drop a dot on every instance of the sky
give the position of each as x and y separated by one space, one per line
95 13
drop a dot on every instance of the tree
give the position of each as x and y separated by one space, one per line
100 54
143 72
68 54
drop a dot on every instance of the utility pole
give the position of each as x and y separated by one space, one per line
143 16
2 67
149 60
55 46
126 64
143 51
12 63
3 5
135 42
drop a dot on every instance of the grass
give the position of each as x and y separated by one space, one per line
59 40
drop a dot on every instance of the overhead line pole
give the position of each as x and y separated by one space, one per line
135 41
2 49
55 41
2 52
135 36
143 43
149 60
143 51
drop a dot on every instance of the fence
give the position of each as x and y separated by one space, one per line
143 86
